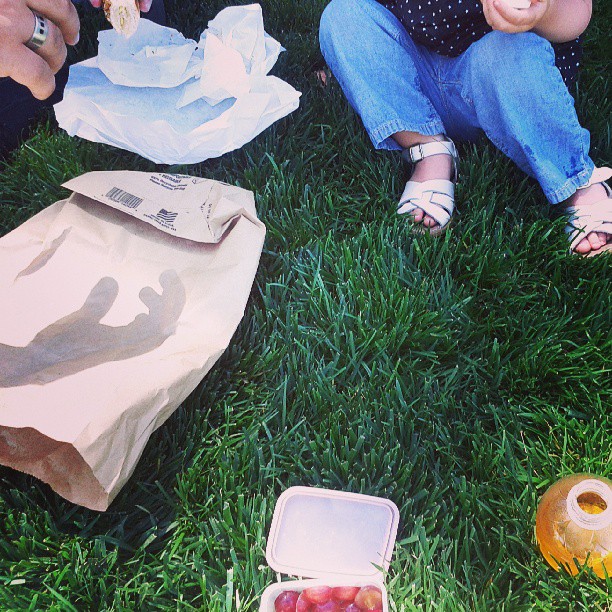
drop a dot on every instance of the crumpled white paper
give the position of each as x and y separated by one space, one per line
158 57
232 60
174 101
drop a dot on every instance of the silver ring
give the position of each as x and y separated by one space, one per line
41 29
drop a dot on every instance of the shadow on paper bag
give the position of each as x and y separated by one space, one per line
79 341
116 302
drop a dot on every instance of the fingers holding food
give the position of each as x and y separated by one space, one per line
123 15
33 39
62 14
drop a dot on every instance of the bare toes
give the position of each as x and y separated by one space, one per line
594 241
417 215
584 246
429 221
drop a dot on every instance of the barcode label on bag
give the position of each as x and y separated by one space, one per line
123 197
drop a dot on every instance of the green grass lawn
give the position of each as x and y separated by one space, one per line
457 376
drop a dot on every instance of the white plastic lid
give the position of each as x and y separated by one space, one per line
319 533
584 519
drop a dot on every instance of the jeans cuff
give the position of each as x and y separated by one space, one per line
569 187
381 135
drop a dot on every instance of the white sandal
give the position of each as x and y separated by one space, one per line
597 217
435 197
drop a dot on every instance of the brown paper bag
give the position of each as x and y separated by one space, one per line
114 304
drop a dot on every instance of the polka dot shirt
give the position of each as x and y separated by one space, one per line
451 26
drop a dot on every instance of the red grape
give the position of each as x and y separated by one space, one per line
318 594
343 593
352 608
330 606
286 601
303 604
369 598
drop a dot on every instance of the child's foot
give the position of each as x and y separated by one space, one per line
583 202
429 196
434 167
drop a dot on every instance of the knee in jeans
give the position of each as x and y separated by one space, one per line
511 57
335 16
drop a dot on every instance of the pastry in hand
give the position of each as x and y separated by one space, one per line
123 15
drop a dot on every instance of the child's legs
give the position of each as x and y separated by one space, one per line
385 77
519 99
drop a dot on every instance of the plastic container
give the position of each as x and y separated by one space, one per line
331 538
574 524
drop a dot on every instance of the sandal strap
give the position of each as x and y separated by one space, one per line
435 197
438 147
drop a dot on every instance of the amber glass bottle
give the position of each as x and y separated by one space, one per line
574 521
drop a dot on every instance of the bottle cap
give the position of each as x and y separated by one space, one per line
587 520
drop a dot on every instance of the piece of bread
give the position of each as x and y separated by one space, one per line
123 15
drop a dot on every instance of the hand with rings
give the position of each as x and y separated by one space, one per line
33 39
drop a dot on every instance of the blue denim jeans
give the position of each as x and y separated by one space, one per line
505 85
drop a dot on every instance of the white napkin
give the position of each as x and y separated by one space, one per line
173 101
155 56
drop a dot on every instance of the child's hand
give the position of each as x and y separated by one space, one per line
504 18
